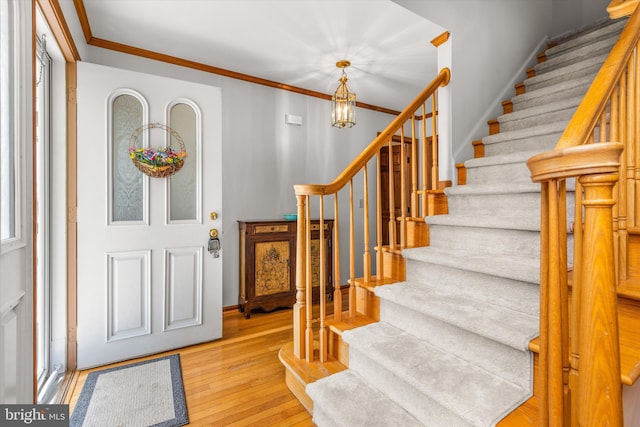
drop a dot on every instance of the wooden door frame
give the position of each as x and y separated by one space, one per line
52 13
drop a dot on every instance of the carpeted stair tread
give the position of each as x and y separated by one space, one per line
555 128
576 54
497 222
498 188
517 295
551 107
371 409
566 89
512 266
466 390
539 114
586 34
583 68
493 169
478 314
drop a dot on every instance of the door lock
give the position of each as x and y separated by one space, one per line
214 243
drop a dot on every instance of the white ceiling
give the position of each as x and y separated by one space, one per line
295 42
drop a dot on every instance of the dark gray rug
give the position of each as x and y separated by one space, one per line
141 394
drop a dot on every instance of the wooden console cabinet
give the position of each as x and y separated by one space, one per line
268 263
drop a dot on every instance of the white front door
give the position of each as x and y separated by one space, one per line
146 281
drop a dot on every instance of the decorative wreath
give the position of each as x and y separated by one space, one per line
157 162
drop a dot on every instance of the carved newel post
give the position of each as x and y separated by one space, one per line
599 388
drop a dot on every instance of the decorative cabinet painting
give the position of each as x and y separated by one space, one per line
268 263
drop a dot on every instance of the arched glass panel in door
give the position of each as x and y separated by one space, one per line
184 186
127 192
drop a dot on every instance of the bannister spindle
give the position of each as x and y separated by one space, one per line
403 191
543 358
600 392
378 224
425 163
414 169
576 298
434 142
308 285
322 295
555 350
337 292
603 127
392 199
352 254
299 308
633 146
564 299
366 256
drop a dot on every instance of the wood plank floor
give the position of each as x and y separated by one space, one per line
237 380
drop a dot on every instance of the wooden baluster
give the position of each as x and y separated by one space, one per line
414 169
378 217
337 292
352 254
434 142
299 308
634 146
543 357
366 257
403 191
620 196
576 300
564 299
599 389
603 128
322 292
555 357
425 163
626 199
308 284
392 198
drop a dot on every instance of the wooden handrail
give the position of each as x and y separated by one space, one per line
595 100
372 203
350 171
580 379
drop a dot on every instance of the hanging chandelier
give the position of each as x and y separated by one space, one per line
343 102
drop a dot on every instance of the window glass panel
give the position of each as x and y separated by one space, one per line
183 194
7 143
127 185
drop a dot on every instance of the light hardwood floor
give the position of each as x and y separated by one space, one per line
237 380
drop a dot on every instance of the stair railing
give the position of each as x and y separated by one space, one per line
311 260
579 356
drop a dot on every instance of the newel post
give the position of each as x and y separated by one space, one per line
599 387
299 309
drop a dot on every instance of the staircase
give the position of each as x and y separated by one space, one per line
451 347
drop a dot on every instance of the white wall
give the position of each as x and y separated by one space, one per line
491 39
492 42
572 14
